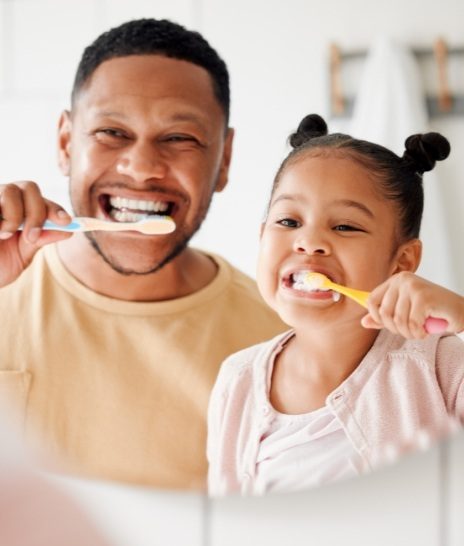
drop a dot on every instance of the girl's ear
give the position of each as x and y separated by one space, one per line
408 256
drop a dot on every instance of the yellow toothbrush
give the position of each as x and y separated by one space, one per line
316 281
151 225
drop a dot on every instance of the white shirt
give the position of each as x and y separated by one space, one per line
301 451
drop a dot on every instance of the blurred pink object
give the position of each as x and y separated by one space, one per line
435 325
33 512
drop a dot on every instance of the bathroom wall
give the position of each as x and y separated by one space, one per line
277 53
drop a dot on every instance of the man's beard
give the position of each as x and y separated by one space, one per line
178 248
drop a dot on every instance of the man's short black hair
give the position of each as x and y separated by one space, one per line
155 37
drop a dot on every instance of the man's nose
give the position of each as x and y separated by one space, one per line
141 162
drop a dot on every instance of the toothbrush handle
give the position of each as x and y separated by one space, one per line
432 325
75 225
72 226
435 325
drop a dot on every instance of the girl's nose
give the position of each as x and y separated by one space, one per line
311 245
141 162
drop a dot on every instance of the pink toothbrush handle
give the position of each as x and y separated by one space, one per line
435 325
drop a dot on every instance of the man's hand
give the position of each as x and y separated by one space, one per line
21 203
403 303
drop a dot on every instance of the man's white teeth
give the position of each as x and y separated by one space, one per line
138 205
336 296
126 216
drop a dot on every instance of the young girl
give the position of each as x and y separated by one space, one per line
343 391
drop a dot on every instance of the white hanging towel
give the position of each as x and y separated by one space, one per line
389 107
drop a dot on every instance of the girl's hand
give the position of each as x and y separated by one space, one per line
23 203
403 302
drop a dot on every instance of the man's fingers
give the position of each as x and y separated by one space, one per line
35 212
57 214
11 210
22 205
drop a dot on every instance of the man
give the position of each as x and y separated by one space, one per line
111 342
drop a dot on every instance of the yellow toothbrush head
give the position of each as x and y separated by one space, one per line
315 281
319 281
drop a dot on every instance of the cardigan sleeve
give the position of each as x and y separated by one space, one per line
215 417
450 371
225 413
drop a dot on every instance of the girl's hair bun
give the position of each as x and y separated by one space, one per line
311 126
422 151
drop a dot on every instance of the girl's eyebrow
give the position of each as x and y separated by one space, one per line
285 196
343 202
355 204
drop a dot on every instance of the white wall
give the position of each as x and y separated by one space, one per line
277 54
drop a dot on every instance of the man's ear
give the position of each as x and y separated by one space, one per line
64 142
225 161
408 256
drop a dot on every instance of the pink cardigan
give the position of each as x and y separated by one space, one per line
402 396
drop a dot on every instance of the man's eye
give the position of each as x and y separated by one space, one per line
180 138
110 133
288 222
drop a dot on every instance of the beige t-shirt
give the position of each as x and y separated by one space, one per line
119 390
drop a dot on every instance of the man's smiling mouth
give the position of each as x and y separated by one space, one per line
123 209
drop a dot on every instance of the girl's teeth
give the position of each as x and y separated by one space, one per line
299 277
336 296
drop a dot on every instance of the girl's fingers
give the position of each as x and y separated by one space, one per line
368 322
386 310
402 317
375 300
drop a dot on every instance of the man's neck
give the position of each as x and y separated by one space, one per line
189 272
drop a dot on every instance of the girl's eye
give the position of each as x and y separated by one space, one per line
346 227
288 222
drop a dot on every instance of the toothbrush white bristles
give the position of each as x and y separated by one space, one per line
308 281
314 281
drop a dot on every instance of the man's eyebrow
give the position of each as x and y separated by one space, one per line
187 116
109 114
179 116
